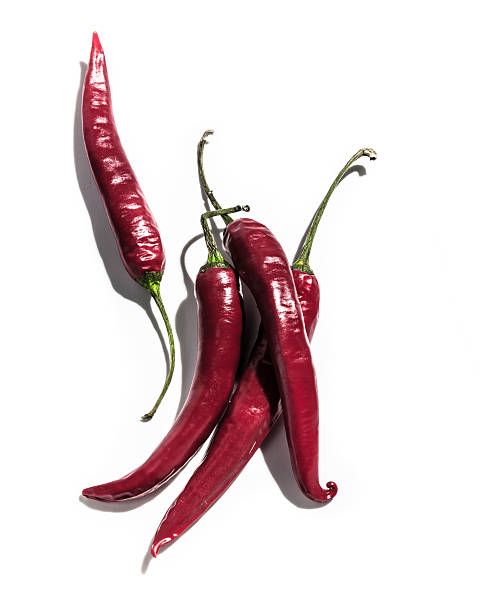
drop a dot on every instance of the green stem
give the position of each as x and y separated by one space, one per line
303 261
152 283
215 258
202 177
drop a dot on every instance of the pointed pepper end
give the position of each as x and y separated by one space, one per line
96 42
90 493
98 494
159 543
154 550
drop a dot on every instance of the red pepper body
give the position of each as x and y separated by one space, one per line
263 266
219 330
135 228
253 411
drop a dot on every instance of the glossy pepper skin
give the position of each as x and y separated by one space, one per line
252 413
219 331
263 267
134 227
254 407
220 322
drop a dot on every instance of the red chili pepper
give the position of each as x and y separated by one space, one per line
134 227
253 410
263 267
252 413
219 330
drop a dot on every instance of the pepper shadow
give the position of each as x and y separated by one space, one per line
186 326
103 234
146 560
125 505
276 456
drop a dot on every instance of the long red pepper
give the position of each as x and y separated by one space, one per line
263 267
135 229
219 331
254 408
252 413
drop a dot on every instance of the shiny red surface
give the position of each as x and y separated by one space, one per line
220 322
263 266
135 228
252 413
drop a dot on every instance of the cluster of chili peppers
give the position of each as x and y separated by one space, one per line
279 375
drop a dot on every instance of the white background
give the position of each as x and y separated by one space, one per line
402 349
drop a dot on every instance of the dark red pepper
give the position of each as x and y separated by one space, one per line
252 413
253 410
220 322
134 226
263 267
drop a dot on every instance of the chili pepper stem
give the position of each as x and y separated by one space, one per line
152 283
215 258
303 261
202 177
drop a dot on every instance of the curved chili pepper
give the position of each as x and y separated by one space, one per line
253 410
220 322
134 226
263 267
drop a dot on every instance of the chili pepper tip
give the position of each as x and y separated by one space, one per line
155 547
96 41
